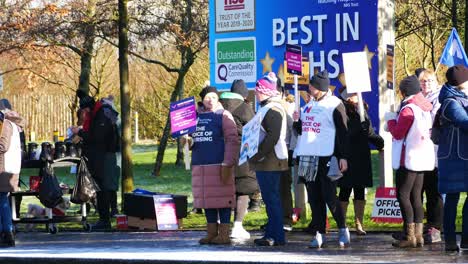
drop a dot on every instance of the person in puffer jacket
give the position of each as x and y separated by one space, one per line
412 155
215 150
453 153
246 182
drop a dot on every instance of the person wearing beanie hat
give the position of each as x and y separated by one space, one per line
410 86
100 140
320 81
215 148
238 86
413 155
322 124
267 85
453 153
272 157
245 180
207 90
457 75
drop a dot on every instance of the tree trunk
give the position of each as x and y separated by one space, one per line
167 127
88 49
180 148
127 164
454 14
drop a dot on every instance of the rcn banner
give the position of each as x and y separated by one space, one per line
248 38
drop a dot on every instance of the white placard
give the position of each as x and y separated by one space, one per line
250 139
356 69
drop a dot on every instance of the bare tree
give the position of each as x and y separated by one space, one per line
180 25
127 164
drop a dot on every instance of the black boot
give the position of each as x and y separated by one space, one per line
113 204
254 205
103 204
9 239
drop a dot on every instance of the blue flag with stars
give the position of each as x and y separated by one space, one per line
453 52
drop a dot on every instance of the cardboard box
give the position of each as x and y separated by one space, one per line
142 223
142 205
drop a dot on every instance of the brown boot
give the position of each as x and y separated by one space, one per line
212 232
344 208
223 235
418 233
359 207
410 240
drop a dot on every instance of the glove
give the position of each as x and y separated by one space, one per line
385 127
390 116
227 174
365 127
186 140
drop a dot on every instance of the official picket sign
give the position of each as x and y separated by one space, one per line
183 116
386 207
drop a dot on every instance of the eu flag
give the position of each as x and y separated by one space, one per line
453 52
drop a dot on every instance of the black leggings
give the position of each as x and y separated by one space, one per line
345 193
409 185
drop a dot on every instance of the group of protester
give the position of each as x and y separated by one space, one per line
325 145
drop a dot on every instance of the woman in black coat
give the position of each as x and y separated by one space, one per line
246 182
359 173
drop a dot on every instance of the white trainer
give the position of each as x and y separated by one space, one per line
238 231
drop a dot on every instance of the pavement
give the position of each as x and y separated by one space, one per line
182 247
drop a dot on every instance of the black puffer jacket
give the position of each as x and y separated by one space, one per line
246 182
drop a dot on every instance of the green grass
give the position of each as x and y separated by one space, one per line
177 180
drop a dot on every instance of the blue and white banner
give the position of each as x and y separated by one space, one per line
248 38
454 53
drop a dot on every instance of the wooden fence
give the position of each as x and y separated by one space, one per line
43 114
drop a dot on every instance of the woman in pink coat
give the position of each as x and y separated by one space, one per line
215 148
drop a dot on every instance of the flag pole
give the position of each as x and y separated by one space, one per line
437 68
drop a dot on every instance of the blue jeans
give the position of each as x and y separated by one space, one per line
6 223
450 216
269 182
223 213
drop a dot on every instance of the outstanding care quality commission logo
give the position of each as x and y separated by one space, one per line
235 59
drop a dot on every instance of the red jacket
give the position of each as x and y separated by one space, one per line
399 127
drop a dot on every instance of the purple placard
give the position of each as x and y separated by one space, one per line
294 59
183 117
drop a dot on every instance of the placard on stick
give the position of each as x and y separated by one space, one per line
356 70
183 117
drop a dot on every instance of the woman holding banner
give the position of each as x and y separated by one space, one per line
359 174
322 125
215 148
412 154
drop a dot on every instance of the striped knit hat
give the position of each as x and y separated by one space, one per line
267 85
